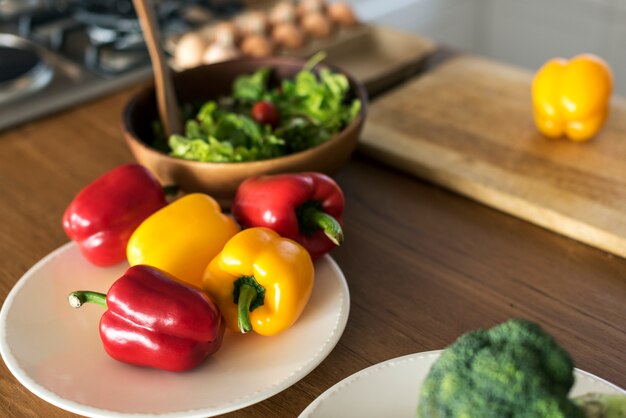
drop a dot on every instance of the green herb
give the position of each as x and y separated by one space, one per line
312 108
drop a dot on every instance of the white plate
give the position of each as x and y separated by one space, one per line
55 351
390 389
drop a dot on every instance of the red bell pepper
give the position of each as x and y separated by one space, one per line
104 214
156 321
304 207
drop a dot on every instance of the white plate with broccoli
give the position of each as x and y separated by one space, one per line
394 388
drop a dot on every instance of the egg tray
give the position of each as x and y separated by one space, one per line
378 56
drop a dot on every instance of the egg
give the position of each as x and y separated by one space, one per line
206 31
306 7
342 14
253 23
257 46
217 52
189 50
288 35
226 33
283 12
317 25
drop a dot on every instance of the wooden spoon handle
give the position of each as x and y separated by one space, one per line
166 95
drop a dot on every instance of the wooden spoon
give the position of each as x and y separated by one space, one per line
165 93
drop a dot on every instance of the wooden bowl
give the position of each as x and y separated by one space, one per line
221 180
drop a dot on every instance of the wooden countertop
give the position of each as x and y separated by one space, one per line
423 265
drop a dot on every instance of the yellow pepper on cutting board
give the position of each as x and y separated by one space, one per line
260 281
182 238
571 98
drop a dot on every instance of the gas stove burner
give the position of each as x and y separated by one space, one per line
99 35
23 68
110 52
72 50
120 15
112 21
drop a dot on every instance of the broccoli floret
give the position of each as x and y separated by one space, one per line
513 370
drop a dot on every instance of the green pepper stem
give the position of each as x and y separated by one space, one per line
247 294
329 225
79 297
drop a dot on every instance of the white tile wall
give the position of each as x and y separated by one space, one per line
448 21
617 44
529 32
521 32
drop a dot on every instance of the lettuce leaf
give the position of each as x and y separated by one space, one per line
312 107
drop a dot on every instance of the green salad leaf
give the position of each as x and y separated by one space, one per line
252 87
312 108
321 100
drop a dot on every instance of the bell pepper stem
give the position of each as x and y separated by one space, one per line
78 298
320 219
247 294
171 189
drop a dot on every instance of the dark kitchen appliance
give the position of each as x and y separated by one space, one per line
57 53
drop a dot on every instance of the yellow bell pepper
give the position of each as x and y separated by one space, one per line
571 98
182 238
260 281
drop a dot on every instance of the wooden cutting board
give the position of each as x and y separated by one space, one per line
378 56
467 126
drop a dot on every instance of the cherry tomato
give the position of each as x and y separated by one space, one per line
265 113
